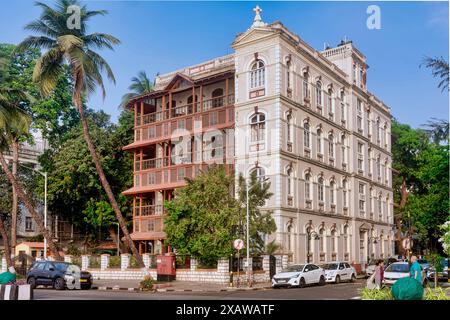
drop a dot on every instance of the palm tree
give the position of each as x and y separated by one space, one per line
139 85
16 119
75 47
439 69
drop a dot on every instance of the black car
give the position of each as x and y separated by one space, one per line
55 274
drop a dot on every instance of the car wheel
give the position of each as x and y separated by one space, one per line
337 280
322 281
32 282
59 284
353 279
302 283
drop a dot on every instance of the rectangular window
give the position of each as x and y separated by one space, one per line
361 189
28 224
362 205
359 117
360 156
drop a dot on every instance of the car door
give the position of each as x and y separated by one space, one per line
47 274
37 272
307 272
315 274
349 270
342 271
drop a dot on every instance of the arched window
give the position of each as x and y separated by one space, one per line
289 236
258 127
331 107
344 193
378 130
288 73
346 239
308 186
333 240
305 86
319 141
319 93
380 206
217 98
343 110
257 74
332 192
331 145
386 174
260 173
306 135
379 168
289 127
320 189
322 240
344 150
290 182
369 159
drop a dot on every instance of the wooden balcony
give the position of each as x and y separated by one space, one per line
166 178
184 120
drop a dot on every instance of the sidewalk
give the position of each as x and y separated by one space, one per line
173 286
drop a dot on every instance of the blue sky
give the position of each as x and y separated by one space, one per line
164 36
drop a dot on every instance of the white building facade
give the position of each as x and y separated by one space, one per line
302 118
306 120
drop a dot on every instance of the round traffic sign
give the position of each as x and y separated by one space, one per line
238 244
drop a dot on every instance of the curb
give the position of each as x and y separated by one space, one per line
178 290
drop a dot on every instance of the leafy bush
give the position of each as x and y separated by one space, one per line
94 262
114 261
133 262
376 294
147 283
73 250
436 294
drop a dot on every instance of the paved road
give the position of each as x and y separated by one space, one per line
341 291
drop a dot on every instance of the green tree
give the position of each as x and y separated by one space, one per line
74 47
74 190
139 85
201 217
261 221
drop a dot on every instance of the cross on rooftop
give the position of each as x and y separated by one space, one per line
257 21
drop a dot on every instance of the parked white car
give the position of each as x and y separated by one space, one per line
339 271
396 271
299 275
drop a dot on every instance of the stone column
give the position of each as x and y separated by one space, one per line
124 261
223 268
146 258
104 261
85 262
4 264
194 264
278 263
68 258
284 261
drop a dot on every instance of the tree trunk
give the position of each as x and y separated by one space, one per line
26 200
403 199
4 235
105 183
15 202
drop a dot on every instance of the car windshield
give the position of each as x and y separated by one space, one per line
403 268
330 266
295 268
61 266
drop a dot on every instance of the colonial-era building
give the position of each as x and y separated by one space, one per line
302 118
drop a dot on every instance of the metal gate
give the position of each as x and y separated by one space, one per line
272 266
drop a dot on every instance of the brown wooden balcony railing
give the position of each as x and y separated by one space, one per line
149 210
187 109
210 154
148 225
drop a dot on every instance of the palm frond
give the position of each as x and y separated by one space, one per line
33 42
439 69
47 70
39 26
100 40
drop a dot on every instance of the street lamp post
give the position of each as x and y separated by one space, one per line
44 174
118 238
248 228
310 235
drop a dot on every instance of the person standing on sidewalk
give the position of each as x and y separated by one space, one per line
377 272
415 270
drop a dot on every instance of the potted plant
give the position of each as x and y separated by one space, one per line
147 283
